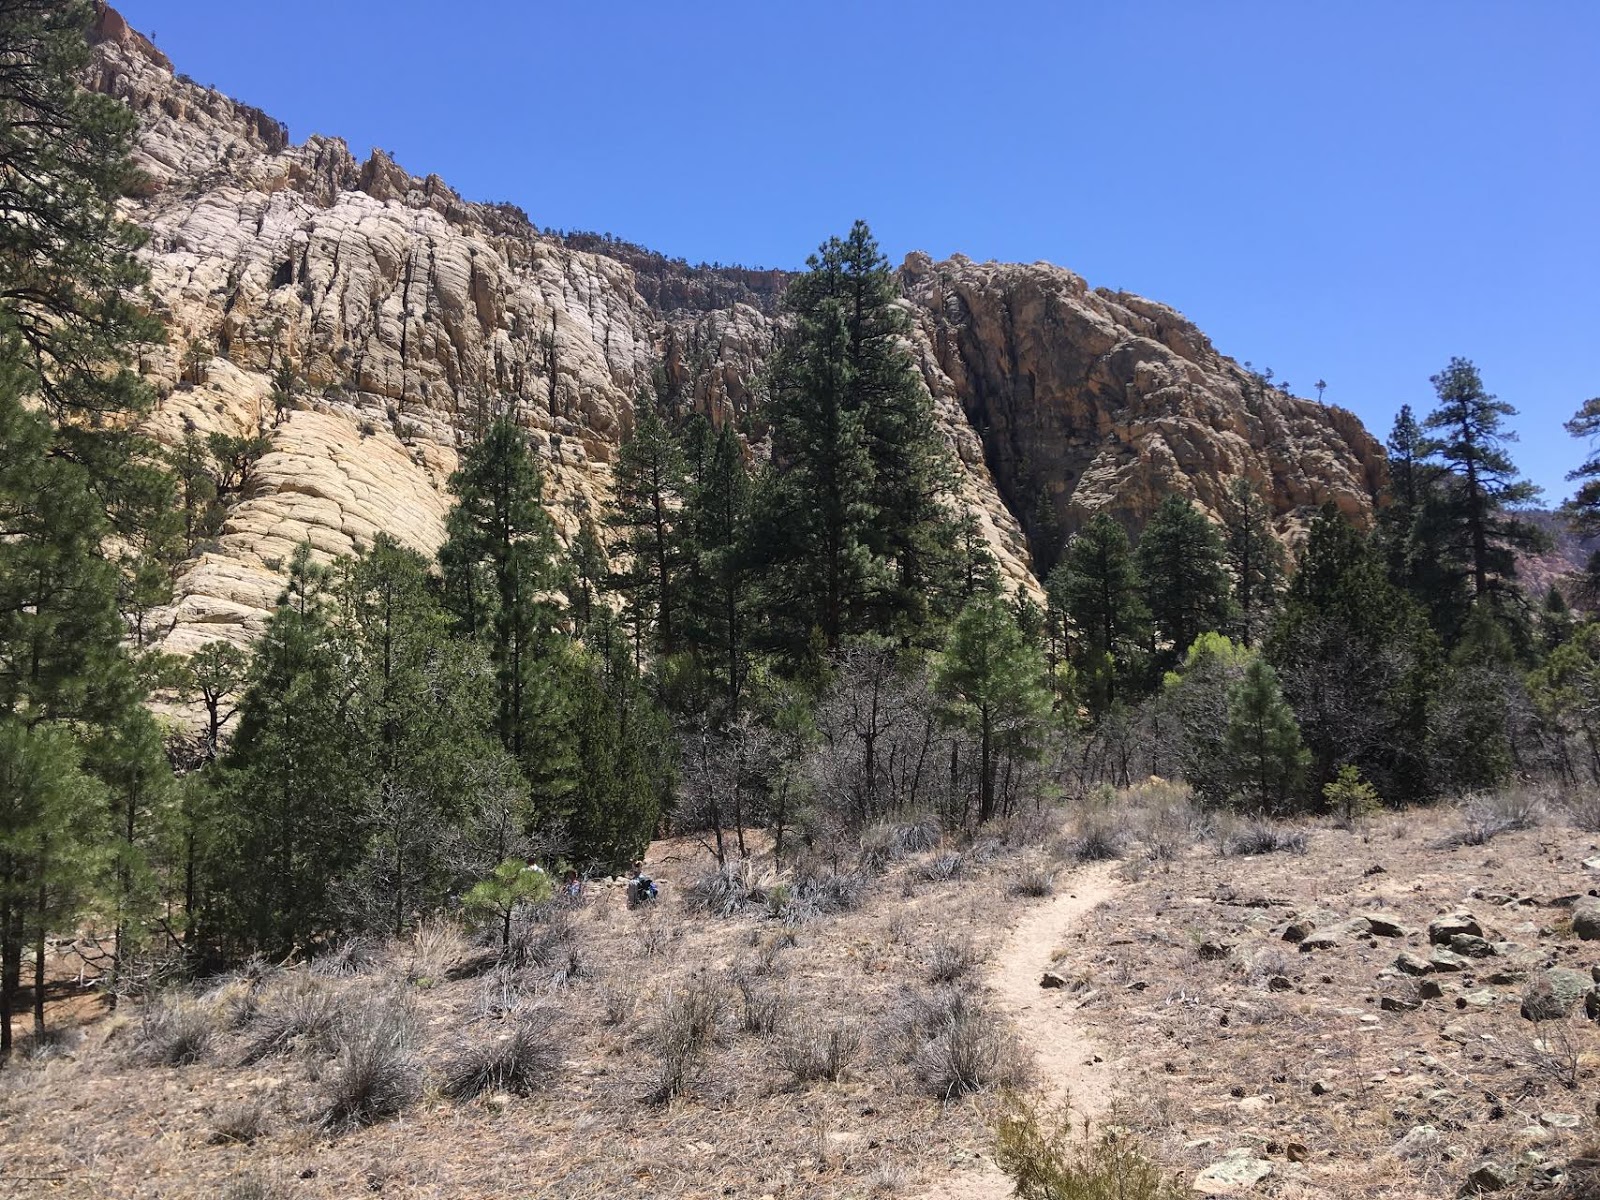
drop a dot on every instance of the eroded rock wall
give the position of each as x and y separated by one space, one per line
407 312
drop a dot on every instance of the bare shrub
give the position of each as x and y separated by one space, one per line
1554 1054
966 1049
1034 881
762 1004
240 1124
943 867
1166 821
951 958
1486 815
1046 1159
519 1061
727 890
1098 837
353 956
1581 809
616 1005
298 1013
889 842
175 1030
816 1051
953 1043
373 1076
1263 837
687 1024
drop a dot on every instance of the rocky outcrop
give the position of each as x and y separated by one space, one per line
407 312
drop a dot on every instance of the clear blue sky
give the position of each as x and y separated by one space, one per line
1348 190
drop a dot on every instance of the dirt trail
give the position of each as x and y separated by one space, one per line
1046 1020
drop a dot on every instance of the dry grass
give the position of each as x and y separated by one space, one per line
374 1075
519 1060
1180 1034
298 1011
175 1030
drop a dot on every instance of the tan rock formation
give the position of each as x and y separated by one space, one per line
407 310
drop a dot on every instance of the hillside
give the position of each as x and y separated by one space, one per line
402 308
1317 1020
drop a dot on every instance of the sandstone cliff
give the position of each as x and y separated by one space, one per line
406 309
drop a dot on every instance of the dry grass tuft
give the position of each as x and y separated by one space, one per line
373 1076
1098 837
762 1003
1034 881
1265 837
685 1028
519 1062
175 1030
1486 815
240 1124
353 956
944 867
951 958
298 1012
816 1051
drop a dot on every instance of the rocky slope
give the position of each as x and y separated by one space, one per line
407 310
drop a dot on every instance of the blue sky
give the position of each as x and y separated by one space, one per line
1353 191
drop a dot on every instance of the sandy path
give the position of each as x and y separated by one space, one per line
1046 1020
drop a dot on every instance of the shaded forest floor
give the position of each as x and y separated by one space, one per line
1318 1060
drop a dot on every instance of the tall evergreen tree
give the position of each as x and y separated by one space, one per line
852 516
994 680
718 600
1096 588
420 711
1180 565
73 471
650 482
1483 488
1266 757
293 812
1359 664
1255 560
1583 510
500 571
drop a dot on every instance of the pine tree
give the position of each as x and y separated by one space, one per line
1583 510
52 840
1255 560
588 567
1096 588
1267 759
851 517
292 802
1180 564
993 678
649 485
1359 663
420 712
500 568
717 595
1483 486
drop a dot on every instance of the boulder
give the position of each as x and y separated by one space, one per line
1586 919
1448 960
1240 1171
1554 993
1383 927
1413 964
1487 1177
1442 929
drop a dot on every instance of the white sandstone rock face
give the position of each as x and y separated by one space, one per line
407 313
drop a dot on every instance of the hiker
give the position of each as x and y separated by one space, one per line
641 888
572 887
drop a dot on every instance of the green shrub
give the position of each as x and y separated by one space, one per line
1046 1160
